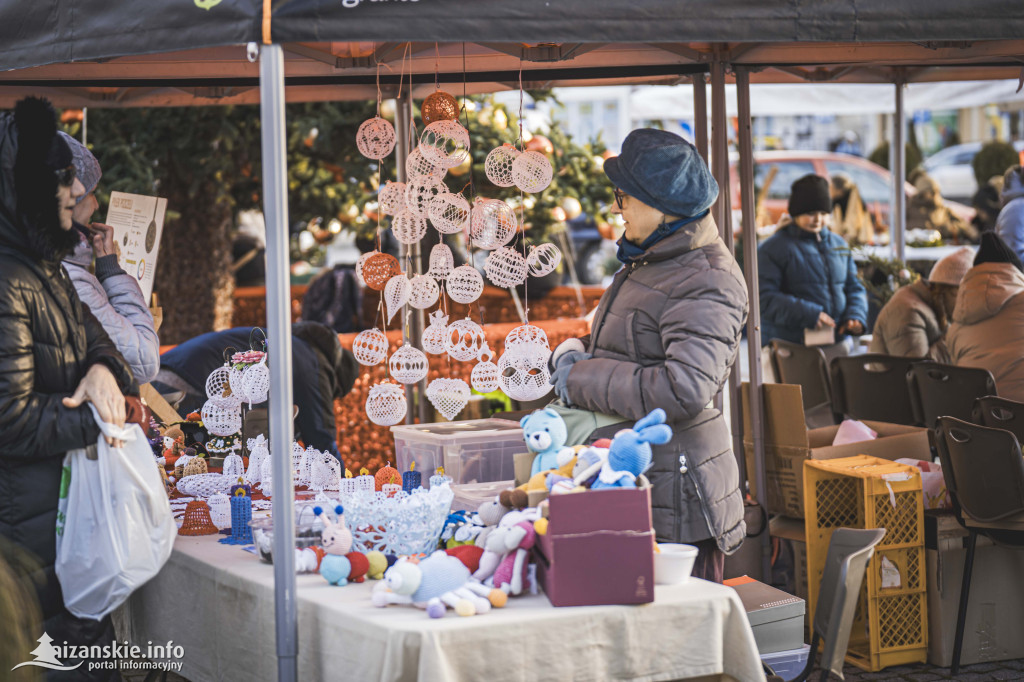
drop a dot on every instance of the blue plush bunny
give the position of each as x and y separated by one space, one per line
630 453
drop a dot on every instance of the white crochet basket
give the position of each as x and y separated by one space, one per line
406 523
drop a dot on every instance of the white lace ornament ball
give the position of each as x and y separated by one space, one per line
375 138
484 378
442 262
424 292
408 227
391 198
445 143
434 335
532 172
421 191
417 166
492 224
257 382
449 212
448 396
542 260
218 387
464 284
239 386
361 262
386 406
408 364
464 339
524 376
221 421
505 267
498 165
396 294
527 334
370 347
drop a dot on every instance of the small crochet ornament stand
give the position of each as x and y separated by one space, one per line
197 520
241 515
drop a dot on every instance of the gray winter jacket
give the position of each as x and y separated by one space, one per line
665 335
1010 223
116 300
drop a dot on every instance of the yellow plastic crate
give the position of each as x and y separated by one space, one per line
891 623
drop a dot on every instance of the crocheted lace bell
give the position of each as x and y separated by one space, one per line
442 262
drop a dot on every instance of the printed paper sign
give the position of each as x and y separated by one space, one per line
138 223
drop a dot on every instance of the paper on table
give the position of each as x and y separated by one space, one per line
138 223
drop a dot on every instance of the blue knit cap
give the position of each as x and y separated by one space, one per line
663 171
87 168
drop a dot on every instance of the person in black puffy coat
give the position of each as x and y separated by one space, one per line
806 273
54 357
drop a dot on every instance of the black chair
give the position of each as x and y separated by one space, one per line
807 367
938 390
984 473
849 552
1000 413
872 386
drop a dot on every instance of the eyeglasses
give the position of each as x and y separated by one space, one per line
65 176
619 197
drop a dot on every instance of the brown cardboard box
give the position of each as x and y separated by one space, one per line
994 629
523 464
788 442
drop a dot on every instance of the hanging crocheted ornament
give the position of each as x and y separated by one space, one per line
233 467
370 347
257 382
463 340
408 364
484 378
391 198
492 224
449 212
464 284
396 294
527 334
386 406
417 166
421 191
439 106
218 387
362 261
380 268
375 138
434 335
445 143
408 227
498 165
542 260
424 293
239 386
442 262
221 421
505 267
259 449
448 396
523 375
532 172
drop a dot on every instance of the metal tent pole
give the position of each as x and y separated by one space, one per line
898 218
722 212
700 115
749 209
275 207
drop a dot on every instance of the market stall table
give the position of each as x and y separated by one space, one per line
216 601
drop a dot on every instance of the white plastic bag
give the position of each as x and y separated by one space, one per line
114 524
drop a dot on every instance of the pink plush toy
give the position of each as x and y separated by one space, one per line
510 576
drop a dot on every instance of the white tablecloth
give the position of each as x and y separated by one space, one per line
216 601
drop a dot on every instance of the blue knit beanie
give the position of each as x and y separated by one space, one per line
87 168
663 171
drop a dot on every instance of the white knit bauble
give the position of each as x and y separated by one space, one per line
361 262
532 172
421 191
463 340
445 143
408 227
433 335
221 421
416 166
408 364
542 260
484 378
386 405
218 387
424 292
492 224
370 347
464 284
505 268
391 198
498 165
375 138
449 213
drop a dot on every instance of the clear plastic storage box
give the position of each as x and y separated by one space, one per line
476 451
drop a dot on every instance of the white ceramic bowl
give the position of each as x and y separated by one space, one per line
673 564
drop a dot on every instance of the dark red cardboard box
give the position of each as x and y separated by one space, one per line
599 548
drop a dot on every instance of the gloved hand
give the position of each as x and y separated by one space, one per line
560 377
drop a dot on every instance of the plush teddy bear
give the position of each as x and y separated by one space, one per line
630 452
545 435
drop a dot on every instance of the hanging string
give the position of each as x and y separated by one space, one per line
437 68
522 202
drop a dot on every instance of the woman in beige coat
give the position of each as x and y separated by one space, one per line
988 321
914 321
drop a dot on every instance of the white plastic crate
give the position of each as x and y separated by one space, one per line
788 664
476 451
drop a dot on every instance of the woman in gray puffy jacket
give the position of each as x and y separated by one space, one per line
665 335
112 295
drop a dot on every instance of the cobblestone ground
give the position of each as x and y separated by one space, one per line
922 672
